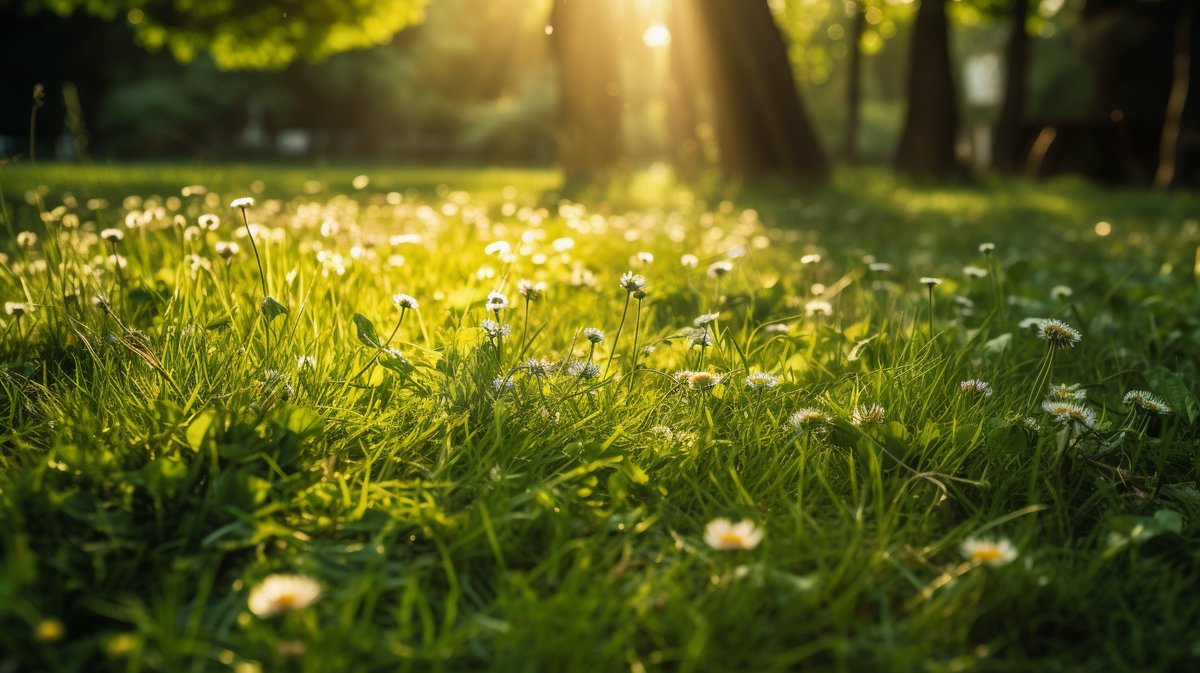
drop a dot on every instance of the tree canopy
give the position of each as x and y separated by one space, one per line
265 34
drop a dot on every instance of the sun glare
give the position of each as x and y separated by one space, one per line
657 36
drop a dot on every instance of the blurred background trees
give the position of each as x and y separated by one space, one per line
740 88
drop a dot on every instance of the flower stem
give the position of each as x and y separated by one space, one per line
261 276
617 338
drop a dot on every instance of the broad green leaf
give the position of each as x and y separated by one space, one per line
272 309
366 330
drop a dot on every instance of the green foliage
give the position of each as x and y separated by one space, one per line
254 33
464 508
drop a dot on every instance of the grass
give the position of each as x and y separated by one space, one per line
164 452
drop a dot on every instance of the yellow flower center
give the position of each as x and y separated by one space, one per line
287 600
732 539
987 554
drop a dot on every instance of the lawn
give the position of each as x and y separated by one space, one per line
331 448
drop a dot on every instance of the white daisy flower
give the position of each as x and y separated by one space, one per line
112 235
930 281
1064 392
530 290
879 266
976 387
818 307
1067 412
761 381
278 594
306 363
719 269
703 380
808 419
1030 322
1058 333
867 414
986 248
404 301
496 301
1060 292
724 534
994 553
227 249
494 329
631 282
974 272
1147 401
209 221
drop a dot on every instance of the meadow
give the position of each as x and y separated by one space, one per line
385 419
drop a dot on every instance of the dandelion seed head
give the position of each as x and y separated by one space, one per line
209 221
244 202
689 261
986 248
17 309
974 272
594 335
112 235
705 319
1060 292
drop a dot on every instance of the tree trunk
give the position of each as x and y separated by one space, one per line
853 86
1010 142
927 145
1169 143
590 139
760 122
1187 149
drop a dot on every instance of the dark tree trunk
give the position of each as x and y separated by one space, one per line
1187 149
760 122
1172 123
590 140
854 85
1010 142
927 145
